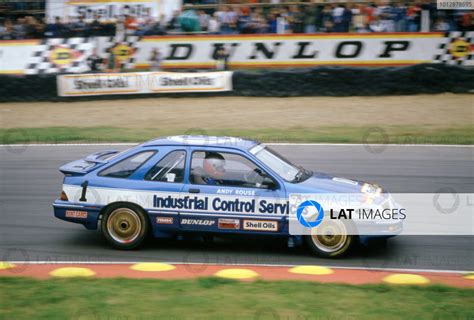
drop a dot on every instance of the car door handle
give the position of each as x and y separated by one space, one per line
192 190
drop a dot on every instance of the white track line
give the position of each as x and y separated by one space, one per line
371 145
239 264
272 144
65 144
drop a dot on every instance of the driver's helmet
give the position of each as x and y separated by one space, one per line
214 165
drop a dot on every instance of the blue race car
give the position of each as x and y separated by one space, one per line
213 185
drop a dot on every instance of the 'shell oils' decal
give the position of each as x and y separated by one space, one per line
260 225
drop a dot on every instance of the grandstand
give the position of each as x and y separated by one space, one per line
39 19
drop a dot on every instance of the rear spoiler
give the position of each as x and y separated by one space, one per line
83 166
101 154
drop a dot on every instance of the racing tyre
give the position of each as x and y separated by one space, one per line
125 227
330 239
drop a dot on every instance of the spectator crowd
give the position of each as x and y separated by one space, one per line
227 19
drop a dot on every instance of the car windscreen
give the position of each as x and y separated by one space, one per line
283 167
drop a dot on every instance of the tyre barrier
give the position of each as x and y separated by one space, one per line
321 81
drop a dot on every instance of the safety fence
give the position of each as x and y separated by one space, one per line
321 81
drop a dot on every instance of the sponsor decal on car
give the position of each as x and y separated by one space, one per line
164 220
198 222
176 201
260 225
222 204
76 214
229 224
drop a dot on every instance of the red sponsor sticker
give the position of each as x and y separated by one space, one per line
164 220
229 224
76 214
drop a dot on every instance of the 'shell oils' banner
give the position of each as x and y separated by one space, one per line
243 51
104 10
142 82
109 10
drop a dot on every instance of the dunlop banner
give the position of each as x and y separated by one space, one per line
242 51
142 83
309 50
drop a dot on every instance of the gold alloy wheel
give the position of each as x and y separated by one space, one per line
124 225
329 236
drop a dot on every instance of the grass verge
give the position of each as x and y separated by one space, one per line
213 298
388 134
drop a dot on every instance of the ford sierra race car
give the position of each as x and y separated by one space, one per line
210 185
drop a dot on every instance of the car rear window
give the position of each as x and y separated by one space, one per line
127 166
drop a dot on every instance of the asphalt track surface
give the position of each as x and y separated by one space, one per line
30 181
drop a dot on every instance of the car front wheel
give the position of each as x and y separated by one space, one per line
125 227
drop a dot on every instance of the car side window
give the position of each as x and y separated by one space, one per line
169 169
227 169
126 167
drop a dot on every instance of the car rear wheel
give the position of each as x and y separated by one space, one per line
330 239
125 227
